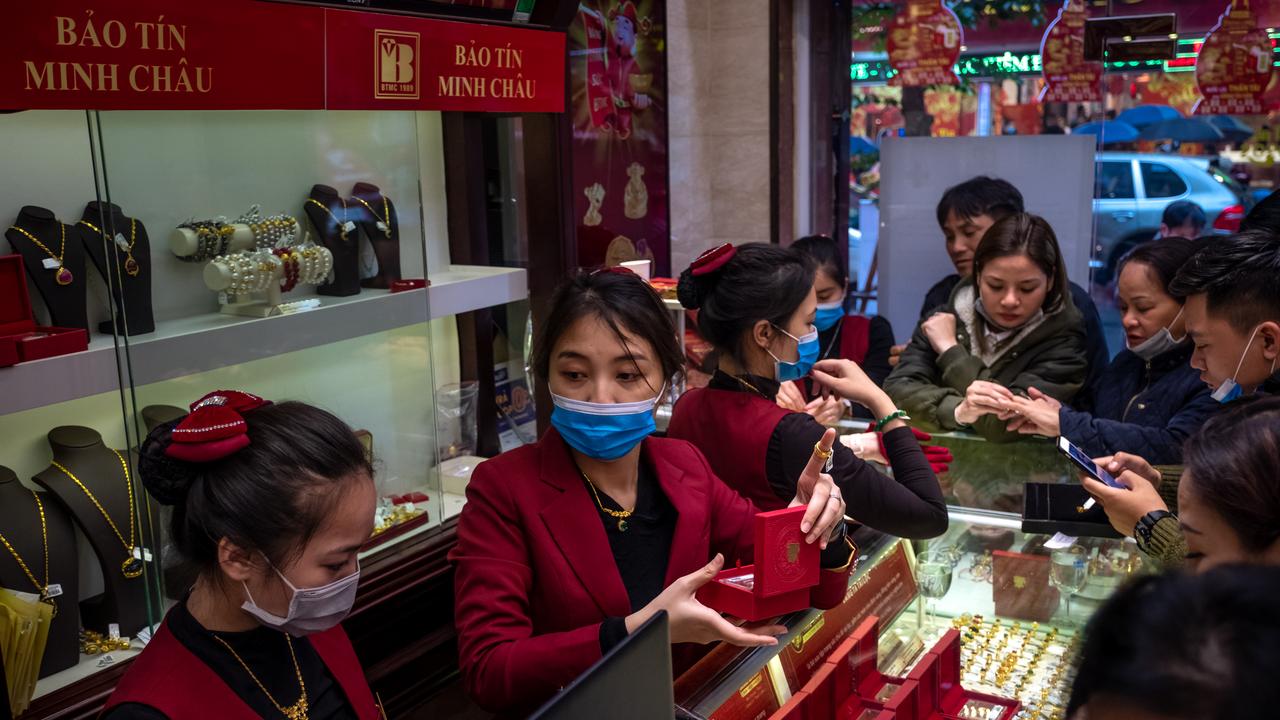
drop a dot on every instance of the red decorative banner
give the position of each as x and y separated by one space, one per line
618 75
1235 64
249 55
1068 76
924 44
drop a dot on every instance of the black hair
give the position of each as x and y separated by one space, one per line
1181 212
1165 257
1241 276
1231 462
1265 216
760 282
1030 235
271 496
1186 647
982 195
623 301
826 256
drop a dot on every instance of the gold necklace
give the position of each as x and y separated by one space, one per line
384 222
43 589
63 276
130 265
621 515
342 224
296 711
132 565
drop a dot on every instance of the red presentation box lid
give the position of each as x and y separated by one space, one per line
784 561
1020 586
20 338
855 658
855 708
925 676
952 699
797 708
824 697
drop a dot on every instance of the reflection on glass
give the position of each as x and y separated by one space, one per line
934 571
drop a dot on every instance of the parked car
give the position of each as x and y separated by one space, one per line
1131 191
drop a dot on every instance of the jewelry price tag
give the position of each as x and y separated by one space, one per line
1059 541
53 590
381 226
51 263
121 242
348 226
141 553
113 631
222 298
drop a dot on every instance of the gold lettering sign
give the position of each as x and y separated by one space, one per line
398 64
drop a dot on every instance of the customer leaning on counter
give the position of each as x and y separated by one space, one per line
1149 399
756 304
1010 327
566 546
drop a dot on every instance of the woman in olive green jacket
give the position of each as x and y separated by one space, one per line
1012 329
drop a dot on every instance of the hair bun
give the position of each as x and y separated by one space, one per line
166 479
698 279
687 291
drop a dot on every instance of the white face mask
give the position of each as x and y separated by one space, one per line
1160 343
311 610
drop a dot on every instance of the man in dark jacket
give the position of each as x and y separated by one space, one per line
964 214
1232 311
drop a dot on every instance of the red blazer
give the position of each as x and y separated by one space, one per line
535 575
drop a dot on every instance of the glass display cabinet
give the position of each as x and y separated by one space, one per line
203 227
982 622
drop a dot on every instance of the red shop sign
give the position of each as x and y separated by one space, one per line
1068 76
924 44
1234 67
251 55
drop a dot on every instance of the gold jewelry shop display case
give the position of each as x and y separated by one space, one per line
982 622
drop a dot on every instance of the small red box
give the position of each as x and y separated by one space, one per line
952 699
1020 586
824 696
855 708
785 569
855 657
21 340
797 708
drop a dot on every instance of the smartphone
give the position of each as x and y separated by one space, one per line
1078 457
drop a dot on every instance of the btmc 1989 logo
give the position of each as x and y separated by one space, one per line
396 68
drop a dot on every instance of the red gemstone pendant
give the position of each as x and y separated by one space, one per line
64 276
131 266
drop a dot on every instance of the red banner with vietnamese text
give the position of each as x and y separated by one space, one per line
1068 76
248 55
1234 67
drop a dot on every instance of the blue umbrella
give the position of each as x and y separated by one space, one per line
1235 130
1108 131
1183 130
1145 115
859 145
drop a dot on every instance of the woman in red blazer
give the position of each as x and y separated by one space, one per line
567 545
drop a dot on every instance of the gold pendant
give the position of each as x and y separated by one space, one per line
131 567
298 710
131 266
622 525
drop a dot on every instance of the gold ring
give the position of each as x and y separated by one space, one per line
817 450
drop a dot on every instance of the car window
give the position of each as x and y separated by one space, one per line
1229 182
1115 180
1160 181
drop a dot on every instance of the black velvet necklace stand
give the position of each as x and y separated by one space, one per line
20 525
82 451
385 242
66 303
346 253
131 292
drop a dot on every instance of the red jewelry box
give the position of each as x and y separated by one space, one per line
855 657
797 708
943 671
785 568
1020 586
21 340
824 696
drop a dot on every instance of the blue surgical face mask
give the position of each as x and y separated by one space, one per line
828 315
807 349
1230 389
604 431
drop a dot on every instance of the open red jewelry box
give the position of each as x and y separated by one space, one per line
21 340
797 708
785 569
859 691
939 673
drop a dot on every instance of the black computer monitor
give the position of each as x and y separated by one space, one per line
631 682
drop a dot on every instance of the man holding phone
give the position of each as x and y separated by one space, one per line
1232 315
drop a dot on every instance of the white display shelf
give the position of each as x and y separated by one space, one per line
207 342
